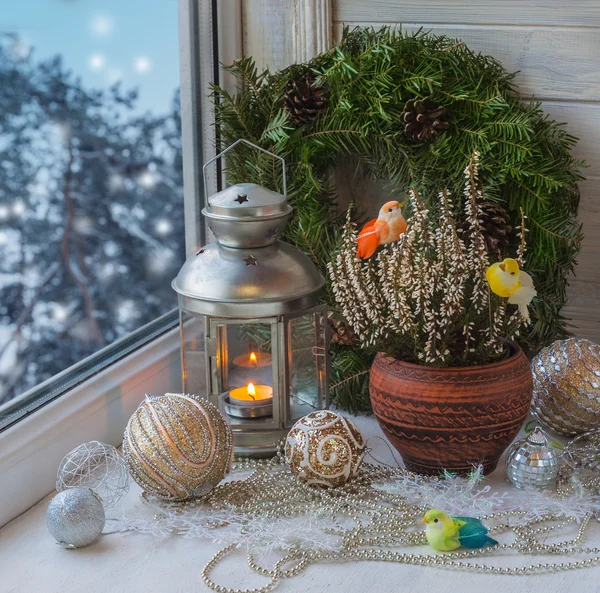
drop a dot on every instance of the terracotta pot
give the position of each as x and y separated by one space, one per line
451 418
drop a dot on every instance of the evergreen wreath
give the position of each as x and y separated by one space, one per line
408 108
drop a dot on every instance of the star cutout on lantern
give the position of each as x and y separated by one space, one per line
250 260
200 251
271 233
241 198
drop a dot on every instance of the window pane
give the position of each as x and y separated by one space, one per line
91 200
306 370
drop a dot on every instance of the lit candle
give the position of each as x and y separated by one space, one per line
253 360
252 393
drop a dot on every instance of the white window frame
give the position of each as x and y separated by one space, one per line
99 407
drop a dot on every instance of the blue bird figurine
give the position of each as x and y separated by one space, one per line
446 533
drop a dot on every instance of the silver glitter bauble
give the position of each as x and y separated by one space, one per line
566 386
97 466
75 517
532 462
324 449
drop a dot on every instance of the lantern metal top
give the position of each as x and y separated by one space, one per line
247 215
227 282
247 200
248 273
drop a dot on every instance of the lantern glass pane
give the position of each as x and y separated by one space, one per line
248 358
246 366
306 364
193 339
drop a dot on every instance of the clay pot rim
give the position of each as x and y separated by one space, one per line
513 350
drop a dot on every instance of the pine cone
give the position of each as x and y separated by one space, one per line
494 227
424 119
341 333
304 101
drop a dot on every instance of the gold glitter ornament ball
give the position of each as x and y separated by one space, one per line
178 446
324 449
566 386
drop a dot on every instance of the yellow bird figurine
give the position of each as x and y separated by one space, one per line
446 533
507 280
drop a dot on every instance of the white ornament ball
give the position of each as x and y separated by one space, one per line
75 517
324 449
97 466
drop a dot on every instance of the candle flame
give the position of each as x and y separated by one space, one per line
253 357
251 390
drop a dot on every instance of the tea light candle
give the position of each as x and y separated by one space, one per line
251 367
251 393
253 360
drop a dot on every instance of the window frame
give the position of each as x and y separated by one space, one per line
97 404
46 392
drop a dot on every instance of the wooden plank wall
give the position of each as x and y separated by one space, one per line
556 47
267 32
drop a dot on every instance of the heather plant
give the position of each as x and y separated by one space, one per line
425 299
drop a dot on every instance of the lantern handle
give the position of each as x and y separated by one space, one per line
233 146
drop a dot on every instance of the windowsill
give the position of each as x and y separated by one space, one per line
136 563
98 409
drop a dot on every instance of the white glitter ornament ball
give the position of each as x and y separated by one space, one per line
75 517
178 446
324 449
97 466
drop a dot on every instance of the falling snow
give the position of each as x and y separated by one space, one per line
147 179
142 65
163 227
102 25
96 62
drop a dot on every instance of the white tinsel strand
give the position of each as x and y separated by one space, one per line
288 515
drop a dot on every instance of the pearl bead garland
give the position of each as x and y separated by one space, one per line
381 520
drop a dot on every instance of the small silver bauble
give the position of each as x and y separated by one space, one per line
532 462
75 517
97 466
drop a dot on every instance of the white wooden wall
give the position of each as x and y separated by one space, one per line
555 44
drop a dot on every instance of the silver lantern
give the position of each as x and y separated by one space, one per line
255 339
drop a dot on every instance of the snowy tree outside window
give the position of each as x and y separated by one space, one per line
91 198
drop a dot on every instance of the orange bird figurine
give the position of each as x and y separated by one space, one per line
387 228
